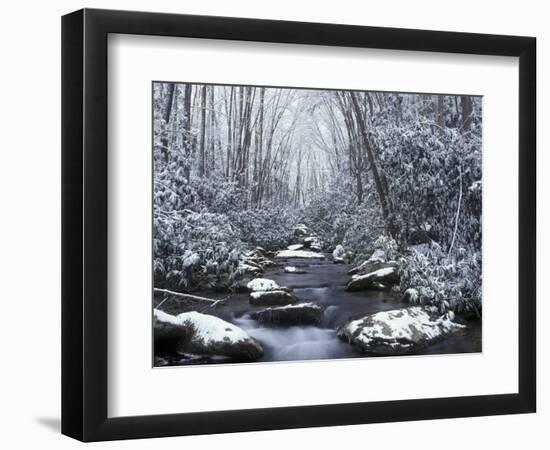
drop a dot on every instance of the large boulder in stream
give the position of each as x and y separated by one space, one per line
299 314
202 334
262 284
378 257
272 298
398 332
379 277
313 243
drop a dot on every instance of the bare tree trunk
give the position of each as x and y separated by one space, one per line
167 115
187 139
202 156
374 169
212 133
466 106
229 133
440 111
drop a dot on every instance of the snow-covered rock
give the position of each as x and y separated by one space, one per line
262 284
378 256
410 295
295 247
299 254
258 252
376 259
203 334
399 331
299 314
313 243
249 268
385 274
339 254
272 298
293 269
255 261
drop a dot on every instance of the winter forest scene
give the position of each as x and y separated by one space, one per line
310 224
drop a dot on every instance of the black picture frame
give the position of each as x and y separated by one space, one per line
84 224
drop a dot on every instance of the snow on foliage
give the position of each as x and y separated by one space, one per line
371 171
449 284
411 295
339 253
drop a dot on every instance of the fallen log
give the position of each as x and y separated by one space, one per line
195 298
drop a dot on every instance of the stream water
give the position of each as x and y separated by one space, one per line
324 283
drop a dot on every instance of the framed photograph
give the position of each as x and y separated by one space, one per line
273 224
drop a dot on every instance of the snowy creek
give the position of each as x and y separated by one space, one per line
323 283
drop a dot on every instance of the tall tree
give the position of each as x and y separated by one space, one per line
466 106
167 116
187 140
440 110
202 155
373 166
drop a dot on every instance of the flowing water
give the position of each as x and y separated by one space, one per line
324 284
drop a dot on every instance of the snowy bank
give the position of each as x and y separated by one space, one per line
399 331
197 333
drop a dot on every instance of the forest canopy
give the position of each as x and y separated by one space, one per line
241 167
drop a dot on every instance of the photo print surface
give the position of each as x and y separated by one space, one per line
308 224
